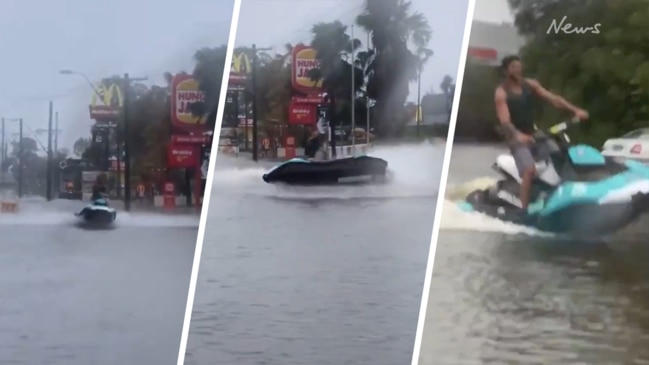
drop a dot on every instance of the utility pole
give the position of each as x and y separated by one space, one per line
127 155
48 177
57 181
2 153
126 82
353 96
419 113
255 123
20 159
367 102
56 135
255 128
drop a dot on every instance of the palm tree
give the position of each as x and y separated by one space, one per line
273 87
208 71
448 88
392 26
334 48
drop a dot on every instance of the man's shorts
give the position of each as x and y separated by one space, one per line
522 156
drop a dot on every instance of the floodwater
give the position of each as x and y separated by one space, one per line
314 275
503 294
76 297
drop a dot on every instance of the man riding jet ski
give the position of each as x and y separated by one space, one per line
576 189
315 169
98 211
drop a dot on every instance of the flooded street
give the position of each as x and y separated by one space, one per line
320 275
75 297
503 294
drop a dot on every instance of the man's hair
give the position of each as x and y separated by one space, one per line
504 64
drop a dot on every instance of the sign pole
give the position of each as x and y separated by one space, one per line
48 177
127 154
20 159
118 152
56 134
2 153
367 103
353 96
254 105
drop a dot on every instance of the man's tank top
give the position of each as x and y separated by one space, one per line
521 109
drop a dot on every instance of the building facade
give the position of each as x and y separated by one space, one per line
491 42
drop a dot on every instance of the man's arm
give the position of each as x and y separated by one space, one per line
502 112
554 99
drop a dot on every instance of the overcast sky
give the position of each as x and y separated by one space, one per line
294 18
99 38
493 11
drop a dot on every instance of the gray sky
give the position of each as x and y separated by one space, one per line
99 38
291 22
492 11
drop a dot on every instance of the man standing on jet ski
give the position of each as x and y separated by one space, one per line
99 190
514 99
312 144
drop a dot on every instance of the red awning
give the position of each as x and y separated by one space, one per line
483 53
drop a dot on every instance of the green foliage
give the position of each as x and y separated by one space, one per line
606 73
477 114
392 26
334 48
149 117
383 73
210 63
33 164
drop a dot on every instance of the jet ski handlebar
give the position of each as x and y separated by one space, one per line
555 130
562 127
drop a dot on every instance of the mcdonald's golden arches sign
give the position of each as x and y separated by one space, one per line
240 68
107 102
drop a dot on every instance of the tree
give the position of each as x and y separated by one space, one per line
392 26
334 48
477 114
606 73
448 88
33 166
80 145
210 63
273 87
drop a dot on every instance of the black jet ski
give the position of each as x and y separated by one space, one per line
351 170
97 214
577 189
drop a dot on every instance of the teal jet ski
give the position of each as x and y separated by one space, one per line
577 190
98 213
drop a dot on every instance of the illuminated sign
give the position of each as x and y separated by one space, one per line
240 68
303 62
107 102
185 93
241 64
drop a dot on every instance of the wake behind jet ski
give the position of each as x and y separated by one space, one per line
577 190
97 214
350 170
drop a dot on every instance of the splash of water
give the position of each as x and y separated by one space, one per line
454 218
416 169
37 211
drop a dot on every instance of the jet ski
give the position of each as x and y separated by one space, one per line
577 190
350 170
97 214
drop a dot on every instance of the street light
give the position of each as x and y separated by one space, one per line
85 77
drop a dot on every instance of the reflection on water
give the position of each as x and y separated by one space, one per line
314 276
77 297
